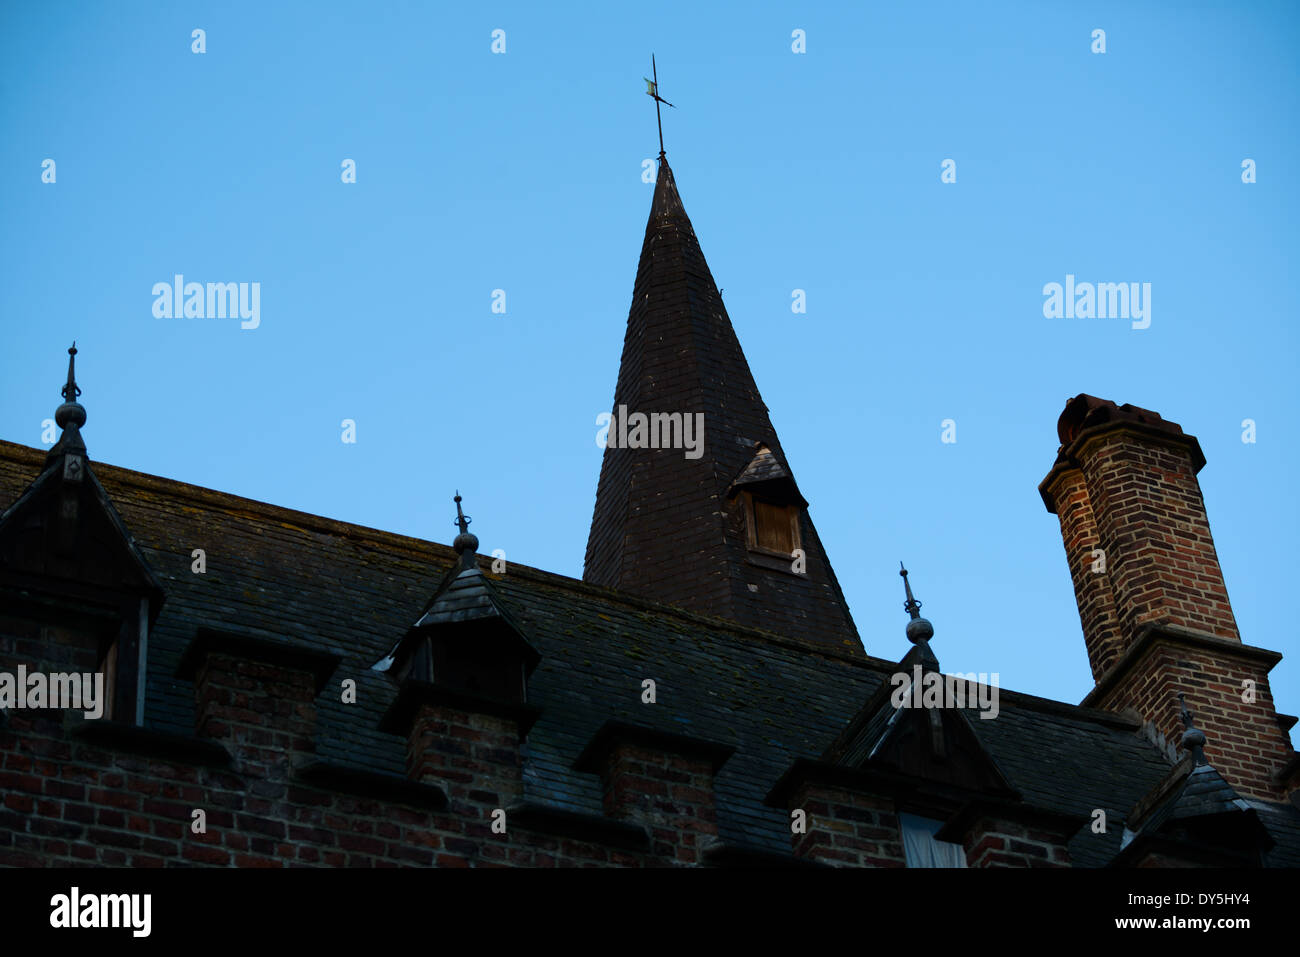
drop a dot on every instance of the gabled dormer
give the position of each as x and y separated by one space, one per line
465 643
462 700
916 723
911 770
73 582
766 492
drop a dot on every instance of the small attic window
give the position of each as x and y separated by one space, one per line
773 529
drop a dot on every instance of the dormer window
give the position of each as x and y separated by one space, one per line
69 566
772 505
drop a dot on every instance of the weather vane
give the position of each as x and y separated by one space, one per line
652 89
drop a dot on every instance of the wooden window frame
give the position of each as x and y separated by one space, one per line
751 531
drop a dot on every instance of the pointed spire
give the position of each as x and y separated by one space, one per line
918 629
70 416
683 362
667 203
1193 737
466 543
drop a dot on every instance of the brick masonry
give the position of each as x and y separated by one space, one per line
1245 742
65 801
1092 587
264 715
998 843
68 800
847 828
1125 482
1151 520
475 758
670 794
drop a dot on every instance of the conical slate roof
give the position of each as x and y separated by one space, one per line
669 523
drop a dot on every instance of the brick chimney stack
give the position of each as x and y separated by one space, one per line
1152 600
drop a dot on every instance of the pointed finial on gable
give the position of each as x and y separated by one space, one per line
71 412
918 629
72 390
70 417
1193 737
466 543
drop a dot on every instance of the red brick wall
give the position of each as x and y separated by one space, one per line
996 843
68 804
474 757
67 801
847 828
262 714
1244 742
1092 589
671 794
1151 521
1136 496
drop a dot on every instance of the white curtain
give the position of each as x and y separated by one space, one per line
922 850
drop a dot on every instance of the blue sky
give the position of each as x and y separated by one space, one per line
817 171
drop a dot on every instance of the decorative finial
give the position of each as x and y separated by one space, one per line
462 520
652 89
70 417
465 541
71 411
1193 737
71 390
918 629
911 606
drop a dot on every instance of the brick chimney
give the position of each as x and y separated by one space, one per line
1152 601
